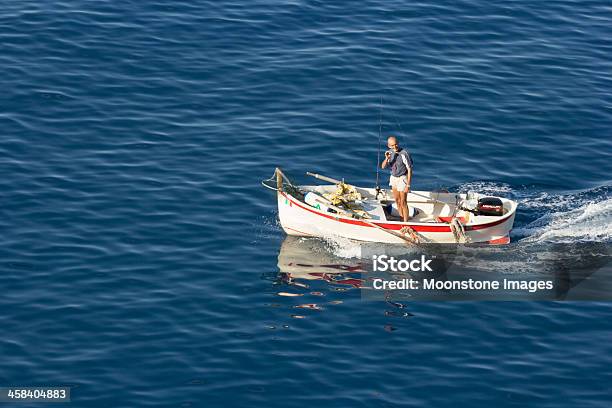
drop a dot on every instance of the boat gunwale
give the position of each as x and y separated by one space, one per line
383 224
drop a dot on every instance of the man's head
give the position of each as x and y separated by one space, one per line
392 143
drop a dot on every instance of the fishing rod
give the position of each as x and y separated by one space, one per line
378 155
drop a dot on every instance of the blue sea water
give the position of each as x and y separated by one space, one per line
142 261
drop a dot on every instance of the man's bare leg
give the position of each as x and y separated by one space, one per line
397 197
403 204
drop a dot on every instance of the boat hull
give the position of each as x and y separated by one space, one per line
299 219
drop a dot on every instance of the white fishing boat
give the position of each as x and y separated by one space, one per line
370 214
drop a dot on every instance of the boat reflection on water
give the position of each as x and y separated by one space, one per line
323 273
307 259
310 267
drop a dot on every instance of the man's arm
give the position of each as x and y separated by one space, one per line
408 163
409 179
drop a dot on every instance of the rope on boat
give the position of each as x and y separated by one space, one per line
267 182
411 234
458 231
346 196
280 182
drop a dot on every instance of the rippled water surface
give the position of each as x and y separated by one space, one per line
142 262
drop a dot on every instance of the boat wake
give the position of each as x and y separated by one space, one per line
571 218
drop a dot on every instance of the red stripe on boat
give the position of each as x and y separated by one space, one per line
500 241
447 220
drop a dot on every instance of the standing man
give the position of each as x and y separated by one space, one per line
401 174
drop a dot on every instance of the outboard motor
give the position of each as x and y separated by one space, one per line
492 206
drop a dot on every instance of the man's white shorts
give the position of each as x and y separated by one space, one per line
399 183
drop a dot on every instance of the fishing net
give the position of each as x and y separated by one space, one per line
346 196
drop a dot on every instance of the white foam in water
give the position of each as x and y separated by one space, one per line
486 188
348 248
344 247
589 222
545 201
